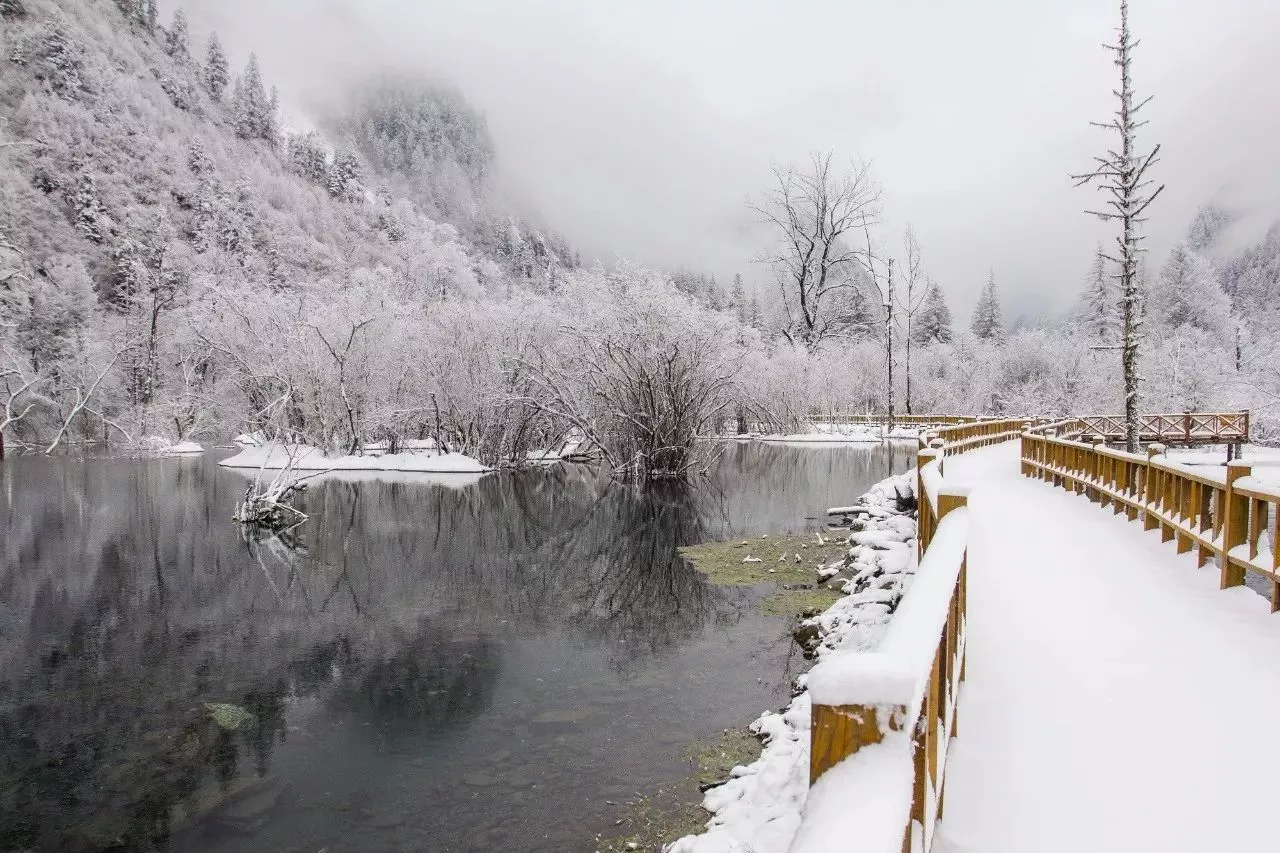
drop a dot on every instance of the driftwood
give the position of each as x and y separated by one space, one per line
270 505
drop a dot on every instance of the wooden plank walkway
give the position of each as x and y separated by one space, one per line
1115 699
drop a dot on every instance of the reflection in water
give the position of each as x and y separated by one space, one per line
379 651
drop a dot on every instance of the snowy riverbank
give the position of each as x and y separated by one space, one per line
759 808
304 458
827 435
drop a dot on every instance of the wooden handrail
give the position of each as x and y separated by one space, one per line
1223 519
909 687
882 420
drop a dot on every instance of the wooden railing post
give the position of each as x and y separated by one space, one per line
933 714
1150 487
925 523
1235 529
838 731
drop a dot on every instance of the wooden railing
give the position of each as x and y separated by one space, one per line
836 417
902 697
970 436
1231 519
1183 428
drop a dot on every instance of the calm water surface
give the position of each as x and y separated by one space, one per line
428 667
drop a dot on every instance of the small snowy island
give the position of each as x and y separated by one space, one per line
301 457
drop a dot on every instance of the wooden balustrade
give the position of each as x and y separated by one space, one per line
1186 428
1232 519
923 648
835 417
963 437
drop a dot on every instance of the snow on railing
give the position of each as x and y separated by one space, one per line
1231 520
883 720
958 439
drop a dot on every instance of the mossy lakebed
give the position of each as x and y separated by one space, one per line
788 561
674 810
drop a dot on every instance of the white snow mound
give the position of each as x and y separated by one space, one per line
305 458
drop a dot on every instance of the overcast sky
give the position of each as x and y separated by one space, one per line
640 128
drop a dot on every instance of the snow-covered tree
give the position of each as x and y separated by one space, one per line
1099 308
933 324
251 106
1210 222
217 73
198 158
309 156
1187 293
818 215
738 298
343 176
177 41
53 55
988 320
89 215
1122 175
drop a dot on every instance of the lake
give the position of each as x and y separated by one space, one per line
417 667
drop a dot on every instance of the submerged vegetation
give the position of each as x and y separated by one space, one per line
788 561
671 811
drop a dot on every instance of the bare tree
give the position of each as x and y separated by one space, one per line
19 386
817 212
888 299
1121 175
84 395
917 288
341 358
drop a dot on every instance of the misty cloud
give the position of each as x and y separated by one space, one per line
640 129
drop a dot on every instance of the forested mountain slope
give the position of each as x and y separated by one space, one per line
177 263
145 191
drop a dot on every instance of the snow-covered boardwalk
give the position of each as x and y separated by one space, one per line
1116 699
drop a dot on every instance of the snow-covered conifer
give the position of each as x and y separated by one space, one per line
89 215
738 299
309 157
197 158
1187 293
53 55
933 324
216 69
988 320
344 176
1099 307
251 105
177 42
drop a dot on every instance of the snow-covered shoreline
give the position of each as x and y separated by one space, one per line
829 435
759 809
304 458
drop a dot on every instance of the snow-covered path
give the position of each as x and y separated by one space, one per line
1116 700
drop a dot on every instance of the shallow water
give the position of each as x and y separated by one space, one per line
427 668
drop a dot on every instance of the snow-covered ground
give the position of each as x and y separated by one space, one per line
758 810
827 435
376 448
1115 697
165 447
304 458
1213 459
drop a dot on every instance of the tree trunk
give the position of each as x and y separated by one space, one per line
889 343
